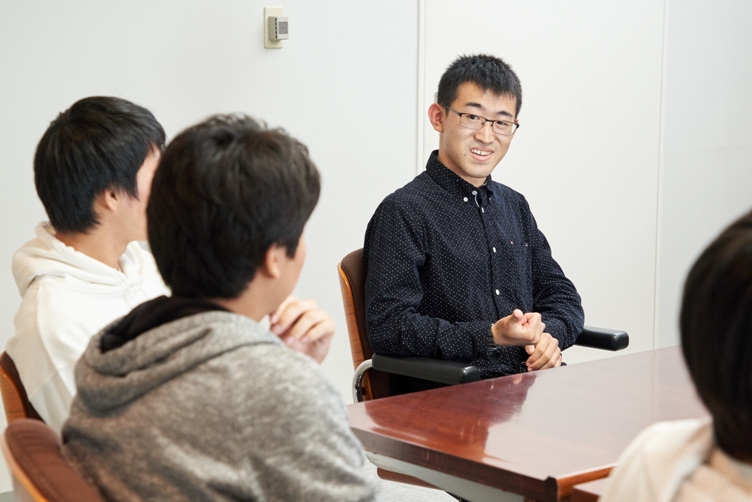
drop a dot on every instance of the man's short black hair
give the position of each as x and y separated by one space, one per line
225 191
487 72
716 334
99 143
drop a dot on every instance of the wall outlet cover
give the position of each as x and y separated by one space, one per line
269 12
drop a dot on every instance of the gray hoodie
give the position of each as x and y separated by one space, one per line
211 407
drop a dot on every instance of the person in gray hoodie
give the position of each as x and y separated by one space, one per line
189 397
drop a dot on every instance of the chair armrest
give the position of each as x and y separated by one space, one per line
602 338
434 370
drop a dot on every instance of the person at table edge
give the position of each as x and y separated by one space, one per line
457 268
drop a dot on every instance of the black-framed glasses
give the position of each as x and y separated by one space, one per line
472 121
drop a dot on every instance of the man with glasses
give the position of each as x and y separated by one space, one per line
456 266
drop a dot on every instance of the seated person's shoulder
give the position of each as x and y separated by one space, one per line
509 194
409 195
56 321
50 304
412 202
661 453
663 438
283 377
421 190
63 306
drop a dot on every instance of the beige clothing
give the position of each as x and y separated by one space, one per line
678 462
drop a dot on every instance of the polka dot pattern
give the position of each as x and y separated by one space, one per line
445 260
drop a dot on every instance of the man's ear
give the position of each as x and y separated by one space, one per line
437 114
108 199
273 262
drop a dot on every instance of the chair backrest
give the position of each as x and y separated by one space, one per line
40 472
352 281
15 400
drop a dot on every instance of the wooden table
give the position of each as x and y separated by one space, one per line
590 491
535 435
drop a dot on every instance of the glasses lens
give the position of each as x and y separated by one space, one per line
504 127
471 121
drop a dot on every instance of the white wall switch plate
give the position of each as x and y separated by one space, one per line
269 43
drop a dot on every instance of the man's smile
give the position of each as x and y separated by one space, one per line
481 153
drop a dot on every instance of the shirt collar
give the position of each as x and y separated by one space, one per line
456 186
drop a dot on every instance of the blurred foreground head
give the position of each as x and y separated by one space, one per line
716 334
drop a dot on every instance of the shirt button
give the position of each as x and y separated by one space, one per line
497 292
494 249
464 198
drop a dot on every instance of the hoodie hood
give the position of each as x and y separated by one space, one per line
108 380
47 256
150 315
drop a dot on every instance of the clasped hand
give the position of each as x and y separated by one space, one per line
527 329
304 327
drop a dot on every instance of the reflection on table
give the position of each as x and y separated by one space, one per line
535 435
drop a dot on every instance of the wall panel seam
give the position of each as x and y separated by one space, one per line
420 84
661 166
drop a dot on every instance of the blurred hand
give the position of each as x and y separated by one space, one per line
304 327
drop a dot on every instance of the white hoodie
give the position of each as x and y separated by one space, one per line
678 462
68 297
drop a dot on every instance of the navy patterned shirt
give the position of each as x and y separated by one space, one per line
445 260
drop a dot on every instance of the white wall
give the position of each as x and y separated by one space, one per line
707 171
609 154
340 85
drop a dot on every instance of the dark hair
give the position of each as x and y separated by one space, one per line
99 143
487 72
716 334
225 191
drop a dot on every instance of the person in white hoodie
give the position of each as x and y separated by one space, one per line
704 459
93 169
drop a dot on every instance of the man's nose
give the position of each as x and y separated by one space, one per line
486 133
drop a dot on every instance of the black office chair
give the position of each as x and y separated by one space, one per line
382 382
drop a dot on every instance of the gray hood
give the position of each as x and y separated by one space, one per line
108 380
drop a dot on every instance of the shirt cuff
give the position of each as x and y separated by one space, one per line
492 347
